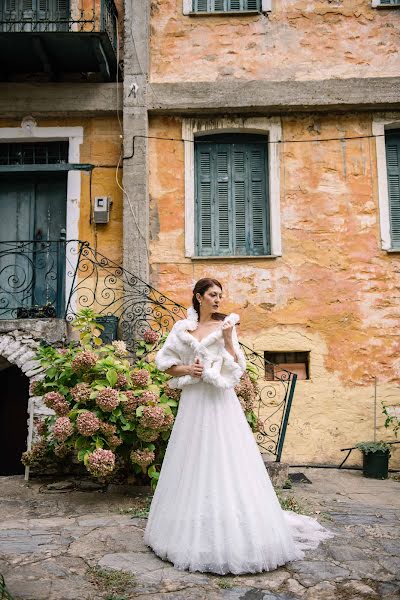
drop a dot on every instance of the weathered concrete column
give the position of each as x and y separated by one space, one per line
136 206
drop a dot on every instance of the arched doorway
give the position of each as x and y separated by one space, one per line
14 396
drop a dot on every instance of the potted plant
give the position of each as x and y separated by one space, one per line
375 459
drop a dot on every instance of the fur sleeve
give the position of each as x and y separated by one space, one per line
231 371
168 356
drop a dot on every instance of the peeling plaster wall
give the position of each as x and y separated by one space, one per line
333 292
298 40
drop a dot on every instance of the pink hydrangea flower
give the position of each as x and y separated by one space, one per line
130 405
168 421
108 429
147 435
101 463
150 336
84 361
62 429
87 423
107 399
81 392
175 394
121 381
142 457
57 402
114 441
141 378
41 427
148 397
152 417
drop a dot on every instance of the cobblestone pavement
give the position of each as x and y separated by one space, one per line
60 544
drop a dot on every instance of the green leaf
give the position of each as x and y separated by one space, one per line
51 373
80 443
112 377
139 411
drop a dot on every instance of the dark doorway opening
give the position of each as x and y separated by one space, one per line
14 396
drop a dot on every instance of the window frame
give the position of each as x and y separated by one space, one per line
380 126
270 127
245 145
266 6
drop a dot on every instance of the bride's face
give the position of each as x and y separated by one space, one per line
211 300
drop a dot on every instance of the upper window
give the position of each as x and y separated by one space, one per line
385 3
392 138
208 6
231 195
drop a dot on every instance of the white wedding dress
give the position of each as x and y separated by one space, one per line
214 508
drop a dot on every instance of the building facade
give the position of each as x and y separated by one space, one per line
255 141
264 144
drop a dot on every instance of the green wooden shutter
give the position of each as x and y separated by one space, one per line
232 216
257 200
393 173
222 200
204 208
239 200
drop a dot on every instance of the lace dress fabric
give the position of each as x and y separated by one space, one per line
214 508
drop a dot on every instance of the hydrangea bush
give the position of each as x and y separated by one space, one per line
114 417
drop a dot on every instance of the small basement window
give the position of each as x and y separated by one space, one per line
295 362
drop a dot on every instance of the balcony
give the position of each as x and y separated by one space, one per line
58 40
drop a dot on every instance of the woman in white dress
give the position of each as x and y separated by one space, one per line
214 508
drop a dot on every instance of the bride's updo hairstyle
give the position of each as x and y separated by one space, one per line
200 288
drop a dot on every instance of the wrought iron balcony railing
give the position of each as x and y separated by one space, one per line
95 23
39 279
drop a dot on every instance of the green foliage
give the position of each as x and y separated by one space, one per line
81 372
89 330
367 447
391 420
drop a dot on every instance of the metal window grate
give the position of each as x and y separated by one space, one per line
39 153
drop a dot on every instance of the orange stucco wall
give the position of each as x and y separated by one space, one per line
334 291
298 40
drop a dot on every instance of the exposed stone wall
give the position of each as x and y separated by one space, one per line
298 40
334 291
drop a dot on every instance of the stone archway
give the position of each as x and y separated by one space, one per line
17 367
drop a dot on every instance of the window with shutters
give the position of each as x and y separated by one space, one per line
231 195
210 7
392 142
205 6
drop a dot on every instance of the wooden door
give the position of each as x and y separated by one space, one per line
32 220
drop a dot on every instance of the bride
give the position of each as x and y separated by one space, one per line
214 508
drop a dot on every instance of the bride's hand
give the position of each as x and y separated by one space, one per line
227 330
196 369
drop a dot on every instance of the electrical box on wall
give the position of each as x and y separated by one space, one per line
101 211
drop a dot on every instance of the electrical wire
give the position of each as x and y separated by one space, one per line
266 142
